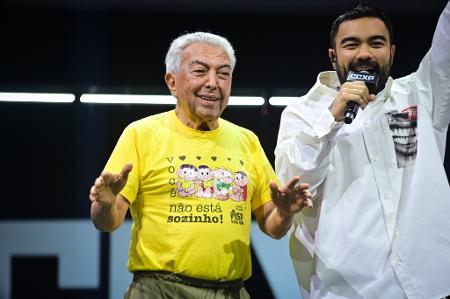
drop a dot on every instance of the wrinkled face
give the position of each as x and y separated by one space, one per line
363 45
202 85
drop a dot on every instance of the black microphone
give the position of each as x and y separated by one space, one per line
371 81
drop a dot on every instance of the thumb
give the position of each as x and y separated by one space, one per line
125 171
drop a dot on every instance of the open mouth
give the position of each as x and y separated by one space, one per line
364 69
370 67
209 98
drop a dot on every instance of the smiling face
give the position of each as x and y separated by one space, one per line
202 85
363 45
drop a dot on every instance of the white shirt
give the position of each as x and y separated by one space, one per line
380 227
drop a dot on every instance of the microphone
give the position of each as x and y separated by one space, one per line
371 81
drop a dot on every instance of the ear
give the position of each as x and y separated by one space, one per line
332 56
170 82
392 53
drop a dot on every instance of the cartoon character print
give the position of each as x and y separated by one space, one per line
239 188
205 179
222 183
186 180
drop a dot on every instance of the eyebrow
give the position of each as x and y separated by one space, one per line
207 66
355 39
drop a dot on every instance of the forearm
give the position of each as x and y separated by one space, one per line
441 42
440 71
278 223
106 218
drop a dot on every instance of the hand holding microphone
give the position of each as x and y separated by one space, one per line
370 80
356 92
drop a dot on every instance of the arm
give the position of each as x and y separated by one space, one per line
440 71
275 217
304 144
309 130
108 207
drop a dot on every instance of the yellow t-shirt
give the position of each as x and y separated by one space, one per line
191 194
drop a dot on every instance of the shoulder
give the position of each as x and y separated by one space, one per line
236 130
149 127
151 120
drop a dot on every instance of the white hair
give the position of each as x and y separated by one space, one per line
173 56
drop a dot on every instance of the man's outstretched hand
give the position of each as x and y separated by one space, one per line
291 198
108 185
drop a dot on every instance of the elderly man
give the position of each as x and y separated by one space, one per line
191 180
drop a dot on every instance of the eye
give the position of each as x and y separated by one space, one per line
377 44
199 71
350 46
223 75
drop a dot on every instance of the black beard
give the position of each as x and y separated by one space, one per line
382 72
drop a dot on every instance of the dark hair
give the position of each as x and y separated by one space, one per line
361 11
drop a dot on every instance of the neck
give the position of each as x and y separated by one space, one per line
200 125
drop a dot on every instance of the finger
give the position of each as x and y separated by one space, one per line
108 178
291 184
307 194
274 191
93 190
357 88
308 203
125 171
92 198
93 194
98 182
360 99
302 187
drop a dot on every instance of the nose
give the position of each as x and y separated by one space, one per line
364 52
211 81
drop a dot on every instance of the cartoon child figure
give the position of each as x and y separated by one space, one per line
186 180
239 188
222 183
205 178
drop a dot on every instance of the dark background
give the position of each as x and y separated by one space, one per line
51 153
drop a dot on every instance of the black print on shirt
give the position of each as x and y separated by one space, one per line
403 126
195 213
237 215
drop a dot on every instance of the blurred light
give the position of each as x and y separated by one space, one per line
36 97
282 101
158 99
246 101
127 99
